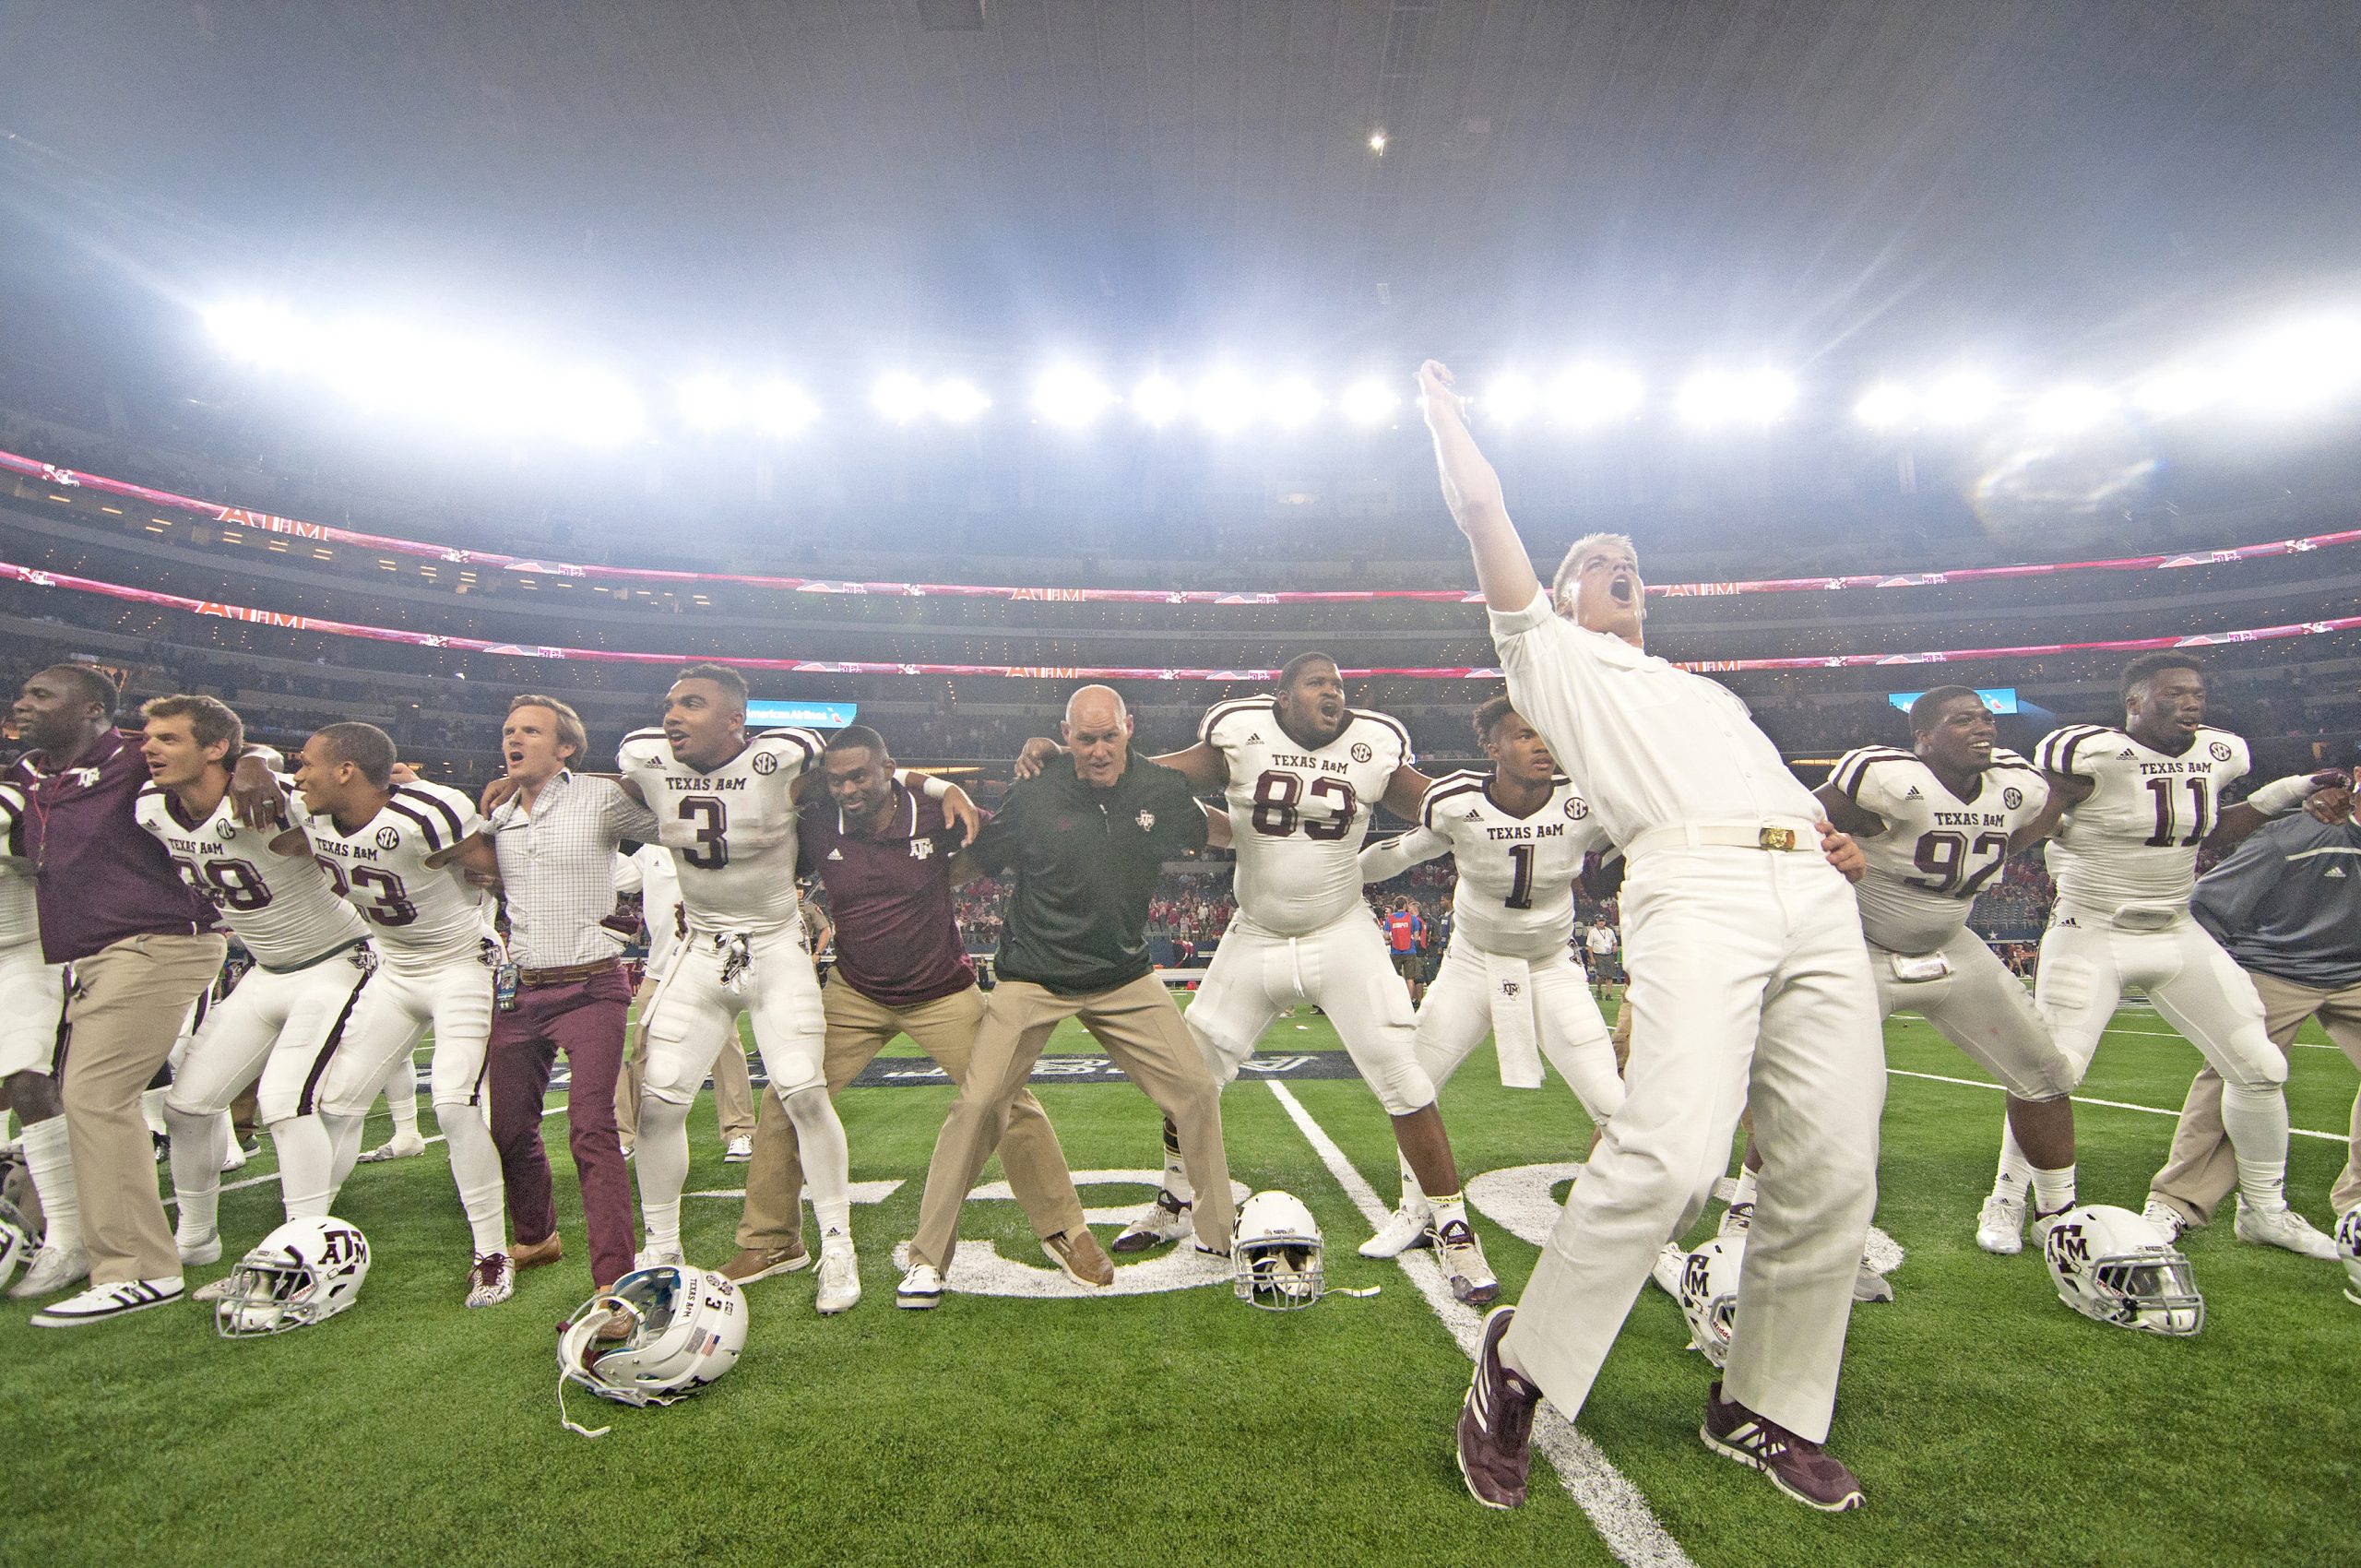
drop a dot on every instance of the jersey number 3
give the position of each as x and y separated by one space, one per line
711 850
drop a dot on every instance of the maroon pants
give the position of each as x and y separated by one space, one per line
585 1021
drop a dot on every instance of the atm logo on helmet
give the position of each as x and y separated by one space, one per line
342 1245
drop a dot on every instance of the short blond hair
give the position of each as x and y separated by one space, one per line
1574 553
570 732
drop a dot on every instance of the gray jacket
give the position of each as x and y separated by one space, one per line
2287 902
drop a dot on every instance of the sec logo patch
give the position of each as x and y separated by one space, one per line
1577 808
388 839
2220 750
766 762
1361 752
2012 797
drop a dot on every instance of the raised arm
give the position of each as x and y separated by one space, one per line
2279 798
1472 489
1382 861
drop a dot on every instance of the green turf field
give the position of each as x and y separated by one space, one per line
1989 1424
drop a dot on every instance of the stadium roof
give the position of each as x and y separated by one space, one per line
1814 176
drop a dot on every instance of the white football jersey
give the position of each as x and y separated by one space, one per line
423 916
1515 897
2134 839
1297 817
279 906
732 831
1938 849
18 922
648 872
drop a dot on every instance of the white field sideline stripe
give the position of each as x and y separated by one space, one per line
1616 1509
2085 1099
2155 1034
273 1176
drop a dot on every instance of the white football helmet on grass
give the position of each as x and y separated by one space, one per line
1275 1250
1709 1293
682 1328
2113 1266
2348 1249
17 1242
303 1272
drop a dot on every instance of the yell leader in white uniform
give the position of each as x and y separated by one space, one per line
1749 983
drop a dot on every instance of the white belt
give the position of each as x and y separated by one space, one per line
1779 835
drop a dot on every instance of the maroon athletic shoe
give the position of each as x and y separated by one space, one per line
1495 1422
1801 1468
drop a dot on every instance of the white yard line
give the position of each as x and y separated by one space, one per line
2085 1099
1616 1508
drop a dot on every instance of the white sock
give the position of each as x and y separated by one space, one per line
828 1163
151 1111
1447 1209
344 1150
664 1161
2053 1190
401 1098
1176 1175
2254 1117
475 1167
2014 1178
1743 1194
305 1166
50 1164
198 1145
1412 1198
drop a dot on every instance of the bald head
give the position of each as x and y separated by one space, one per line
1099 734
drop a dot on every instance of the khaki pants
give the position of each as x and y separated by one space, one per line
126 1007
859 1027
1142 1030
2201 1171
733 1092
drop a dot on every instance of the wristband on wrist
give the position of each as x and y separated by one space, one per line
2282 795
933 786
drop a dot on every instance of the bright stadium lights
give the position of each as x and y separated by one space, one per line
1158 400
1070 396
1962 398
1294 402
781 408
1887 405
593 408
2171 394
1508 398
2300 368
1718 399
708 402
901 397
1587 395
1225 401
254 329
1369 401
959 401
2071 409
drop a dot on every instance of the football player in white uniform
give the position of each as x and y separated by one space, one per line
1937 822
32 1009
2133 804
724 805
286 1018
401 853
1518 837
1303 773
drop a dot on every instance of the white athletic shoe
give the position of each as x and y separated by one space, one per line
740 1151
839 1281
2284 1228
2000 1225
921 1289
1869 1285
196 1254
1464 1268
234 1159
1164 1219
103 1301
655 1257
2165 1217
1407 1229
409 1148
1736 1220
53 1268
492 1279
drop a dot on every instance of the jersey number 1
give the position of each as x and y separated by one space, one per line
2200 801
1520 888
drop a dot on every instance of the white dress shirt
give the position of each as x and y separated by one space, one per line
1650 745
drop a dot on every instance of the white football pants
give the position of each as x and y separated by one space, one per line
1343 970
32 1005
285 1027
1749 981
1457 1015
1983 1010
396 1007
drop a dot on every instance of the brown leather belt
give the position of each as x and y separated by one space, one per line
567 974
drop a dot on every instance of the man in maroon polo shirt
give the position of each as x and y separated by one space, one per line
883 854
143 945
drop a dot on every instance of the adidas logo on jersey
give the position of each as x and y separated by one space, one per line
2124 755
1474 814
1912 793
2335 871
835 854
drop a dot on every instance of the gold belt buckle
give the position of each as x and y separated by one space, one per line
1776 838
